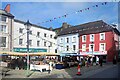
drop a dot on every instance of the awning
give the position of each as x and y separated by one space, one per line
13 53
44 53
31 54
68 54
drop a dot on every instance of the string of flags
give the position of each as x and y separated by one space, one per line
65 15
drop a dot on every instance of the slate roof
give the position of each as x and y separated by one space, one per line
16 20
88 28
3 12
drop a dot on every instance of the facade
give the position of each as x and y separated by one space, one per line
40 39
13 35
94 39
68 44
100 39
6 30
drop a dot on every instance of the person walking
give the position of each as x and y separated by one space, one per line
97 60
101 60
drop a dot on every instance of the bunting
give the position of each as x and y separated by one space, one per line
76 12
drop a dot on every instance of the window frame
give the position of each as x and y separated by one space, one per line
67 40
73 39
38 34
90 49
38 43
67 48
83 47
1 46
101 36
92 40
45 35
45 44
74 47
21 30
30 42
3 29
83 38
100 46
20 41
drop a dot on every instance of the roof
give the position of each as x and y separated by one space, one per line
3 12
16 20
88 28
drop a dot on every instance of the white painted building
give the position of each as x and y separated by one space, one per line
40 39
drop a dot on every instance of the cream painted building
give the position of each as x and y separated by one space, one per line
6 31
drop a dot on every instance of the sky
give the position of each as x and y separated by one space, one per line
38 12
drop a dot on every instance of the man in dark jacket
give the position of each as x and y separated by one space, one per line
101 61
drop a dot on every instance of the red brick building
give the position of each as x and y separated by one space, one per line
98 38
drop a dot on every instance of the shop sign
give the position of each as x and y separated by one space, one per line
94 53
30 50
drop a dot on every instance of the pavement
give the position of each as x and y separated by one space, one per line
59 73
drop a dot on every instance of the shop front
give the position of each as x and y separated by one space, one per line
95 54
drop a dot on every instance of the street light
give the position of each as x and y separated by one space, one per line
28 26
49 49
92 52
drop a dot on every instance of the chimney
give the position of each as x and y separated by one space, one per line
7 8
50 28
65 25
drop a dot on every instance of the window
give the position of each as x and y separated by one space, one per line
45 35
45 44
84 38
50 36
30 42
67 40
102 47
20 41
67 48
38 43
3 18
74 39
102 36
61 40
91 47
74 47
83 47
2 41
50 44
20 30
91 37
38 34
2 28
30 32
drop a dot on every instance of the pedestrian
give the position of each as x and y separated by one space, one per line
101 61
97 60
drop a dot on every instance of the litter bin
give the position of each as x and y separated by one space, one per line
59 66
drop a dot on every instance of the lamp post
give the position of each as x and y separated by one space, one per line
49 49
28 26
92 53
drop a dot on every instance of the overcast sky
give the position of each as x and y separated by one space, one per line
38 12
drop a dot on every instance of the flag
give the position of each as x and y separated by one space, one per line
96 5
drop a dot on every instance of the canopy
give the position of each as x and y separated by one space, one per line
13 53
31 54
45 53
